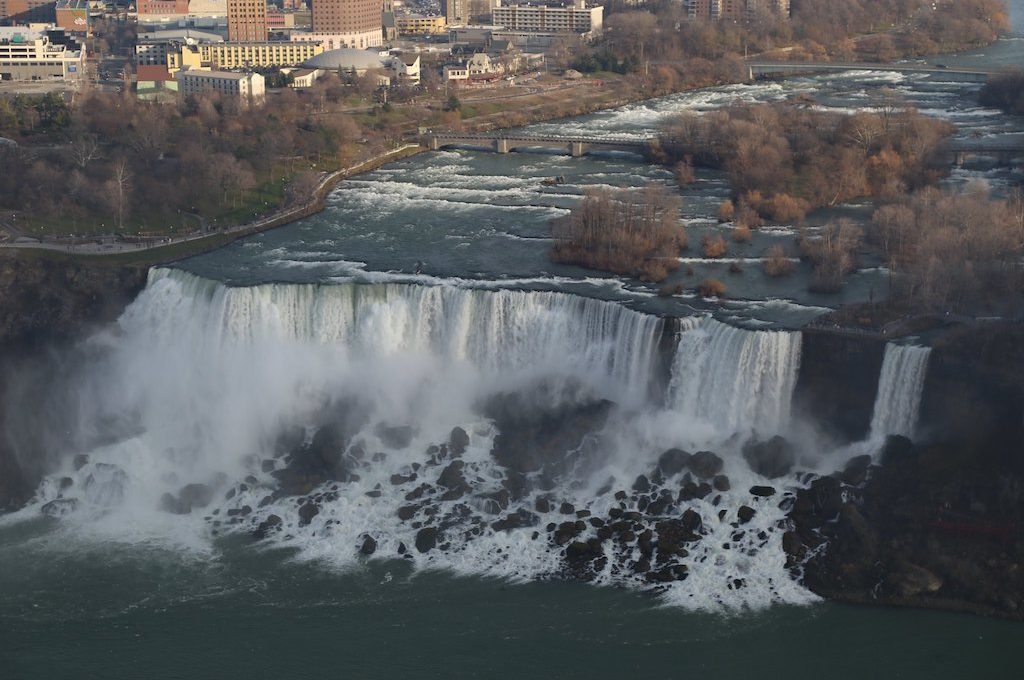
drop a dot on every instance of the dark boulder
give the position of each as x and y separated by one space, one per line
721 483
583 550
691 521
819 503
398 480
772 459
642 484
369 545
270 524
762 491
516 520
327 450
426 539
673 461
59 507
394 437
745 514
195 495
452 476
856 470
898 449
458 441
170 503
705 464
307 512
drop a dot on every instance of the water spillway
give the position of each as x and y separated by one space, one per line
900 386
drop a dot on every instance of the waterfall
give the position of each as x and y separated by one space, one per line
207 400
899 390
606 345
739 380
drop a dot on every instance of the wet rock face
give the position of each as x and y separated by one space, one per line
533 439
705 464
60 507
673 462
190 496
772 459
929 527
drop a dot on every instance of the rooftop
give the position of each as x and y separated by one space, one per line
223 75
73 4
18 34
179 34
345 58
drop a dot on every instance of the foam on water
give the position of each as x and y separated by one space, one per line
198 379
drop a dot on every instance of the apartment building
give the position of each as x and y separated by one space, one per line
241 55
247 20
417 24
247 88
352 23
40 53
574 18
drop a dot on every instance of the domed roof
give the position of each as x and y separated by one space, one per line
345 58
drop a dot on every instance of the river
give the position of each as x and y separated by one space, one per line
422 294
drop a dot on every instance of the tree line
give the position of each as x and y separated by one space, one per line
784 159
954 250
114 163
662 34
1004 91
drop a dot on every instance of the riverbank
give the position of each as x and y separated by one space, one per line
165 250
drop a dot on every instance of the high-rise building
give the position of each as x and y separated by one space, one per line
347 16
247 20
735 9
455 11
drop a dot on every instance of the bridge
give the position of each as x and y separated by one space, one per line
763 69
503 143
1004 148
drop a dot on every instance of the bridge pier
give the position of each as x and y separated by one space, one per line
577 149
502 145
433 143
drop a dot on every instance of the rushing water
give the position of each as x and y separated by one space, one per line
422 299
899 390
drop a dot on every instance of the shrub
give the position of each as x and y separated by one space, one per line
776 264
785 208
726 210
748 217
711 288
670 289
741 234
714 246
735 268
684 172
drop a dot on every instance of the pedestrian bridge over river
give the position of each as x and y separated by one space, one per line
503 143
1004 148
766 69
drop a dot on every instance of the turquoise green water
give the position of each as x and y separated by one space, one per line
247 615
